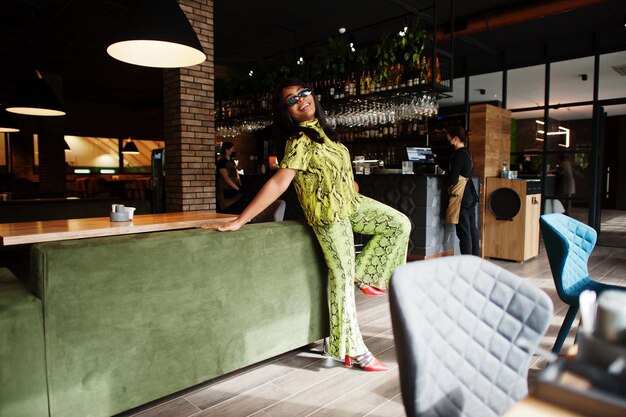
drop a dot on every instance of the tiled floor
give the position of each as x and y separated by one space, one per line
303 383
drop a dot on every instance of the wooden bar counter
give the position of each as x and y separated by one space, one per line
53 230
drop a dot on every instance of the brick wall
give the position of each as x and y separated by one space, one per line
22 155
51 148
189 122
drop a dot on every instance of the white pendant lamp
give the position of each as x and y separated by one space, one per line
158 34
7 124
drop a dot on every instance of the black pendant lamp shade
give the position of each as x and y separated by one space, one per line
130 148
6 122
36 98
158 34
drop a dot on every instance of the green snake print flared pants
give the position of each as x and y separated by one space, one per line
374 265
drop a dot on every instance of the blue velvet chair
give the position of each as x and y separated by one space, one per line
568 244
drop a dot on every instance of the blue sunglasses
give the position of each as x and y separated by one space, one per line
294 99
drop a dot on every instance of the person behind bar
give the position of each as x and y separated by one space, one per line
321 170
461 170
228 184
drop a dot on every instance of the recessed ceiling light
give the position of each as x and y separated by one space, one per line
342 30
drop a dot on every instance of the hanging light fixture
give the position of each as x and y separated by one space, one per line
36 99
130 148
6 122
158 34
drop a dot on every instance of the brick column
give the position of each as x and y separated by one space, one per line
189 122
52 148
52 160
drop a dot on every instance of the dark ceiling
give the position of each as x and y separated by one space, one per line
69 37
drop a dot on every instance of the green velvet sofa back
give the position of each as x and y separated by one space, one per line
22 367
129 319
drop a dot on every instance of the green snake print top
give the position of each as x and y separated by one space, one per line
324 182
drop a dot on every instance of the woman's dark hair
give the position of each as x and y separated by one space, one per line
226 146
458 131
287 127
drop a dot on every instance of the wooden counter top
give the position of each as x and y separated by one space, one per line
533 407
53 230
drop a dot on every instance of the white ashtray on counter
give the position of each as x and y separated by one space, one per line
119 213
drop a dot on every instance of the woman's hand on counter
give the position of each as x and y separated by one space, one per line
230 226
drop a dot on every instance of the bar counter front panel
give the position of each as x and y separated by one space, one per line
423 199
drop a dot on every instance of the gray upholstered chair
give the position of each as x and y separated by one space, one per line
465 332
275 212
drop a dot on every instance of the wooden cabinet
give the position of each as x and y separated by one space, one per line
511 226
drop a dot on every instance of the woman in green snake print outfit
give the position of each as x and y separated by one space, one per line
321 170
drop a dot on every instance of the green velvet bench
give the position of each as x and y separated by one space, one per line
22 363
130 319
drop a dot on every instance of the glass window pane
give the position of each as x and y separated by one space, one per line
486 88
612 84
566 81
457 95
526 150
525 87
491 84
92 152
524 131
135 163
572 113
568 184
578 134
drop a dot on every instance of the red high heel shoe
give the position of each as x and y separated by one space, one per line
369 289
367 362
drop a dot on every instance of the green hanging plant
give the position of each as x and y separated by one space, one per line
333 58
403 48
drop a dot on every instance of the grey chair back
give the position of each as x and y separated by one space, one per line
275 212
465 331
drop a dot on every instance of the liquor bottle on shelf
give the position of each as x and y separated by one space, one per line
376 83
339 90
346 87
352 85
399 70
429 71
438 71
364 84
317 88
424 70
368 82
362 87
